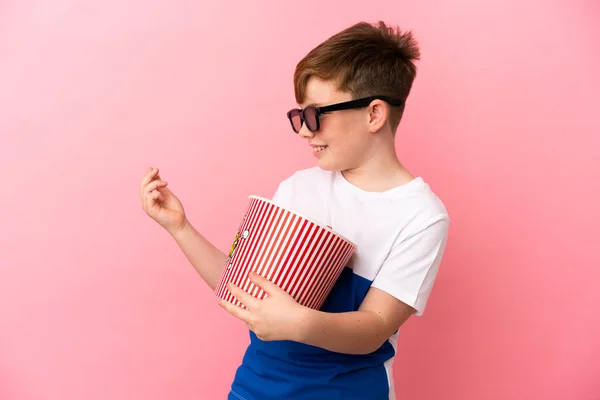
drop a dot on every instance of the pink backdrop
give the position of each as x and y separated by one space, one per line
97 302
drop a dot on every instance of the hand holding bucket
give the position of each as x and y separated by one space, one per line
298 255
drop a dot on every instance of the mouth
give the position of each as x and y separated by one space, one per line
318 149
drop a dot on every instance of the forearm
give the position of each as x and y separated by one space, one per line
359 332
206 259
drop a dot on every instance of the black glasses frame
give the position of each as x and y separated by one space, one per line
346 105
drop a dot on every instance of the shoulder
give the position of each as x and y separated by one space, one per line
308 177
423 211
410 209
302 184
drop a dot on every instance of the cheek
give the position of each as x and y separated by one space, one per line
340 127
345 133
353 132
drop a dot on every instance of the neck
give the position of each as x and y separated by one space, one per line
380 171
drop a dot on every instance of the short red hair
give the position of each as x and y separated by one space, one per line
364 60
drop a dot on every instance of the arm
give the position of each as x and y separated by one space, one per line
358 332
399 290
280 317
161 204
206 259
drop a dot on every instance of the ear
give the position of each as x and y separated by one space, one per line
378 115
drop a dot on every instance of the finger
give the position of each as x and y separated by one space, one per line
152 199
151 204
156 195
155 185
148 177
236 311
266 285
246 299
164 190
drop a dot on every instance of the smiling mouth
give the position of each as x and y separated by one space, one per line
318 149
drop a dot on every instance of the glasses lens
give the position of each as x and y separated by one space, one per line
311 118
295 119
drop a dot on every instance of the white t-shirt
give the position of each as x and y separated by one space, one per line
400 236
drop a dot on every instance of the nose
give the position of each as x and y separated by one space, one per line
305 133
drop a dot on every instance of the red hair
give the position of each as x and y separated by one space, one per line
364 60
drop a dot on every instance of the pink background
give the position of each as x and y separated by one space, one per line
97 302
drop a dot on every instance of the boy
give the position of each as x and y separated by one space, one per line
351 89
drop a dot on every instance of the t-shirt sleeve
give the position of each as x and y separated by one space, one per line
409 271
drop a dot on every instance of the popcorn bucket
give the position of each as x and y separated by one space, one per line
298 255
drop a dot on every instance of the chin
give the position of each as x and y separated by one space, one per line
327 165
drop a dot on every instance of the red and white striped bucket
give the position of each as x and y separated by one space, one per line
298 255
